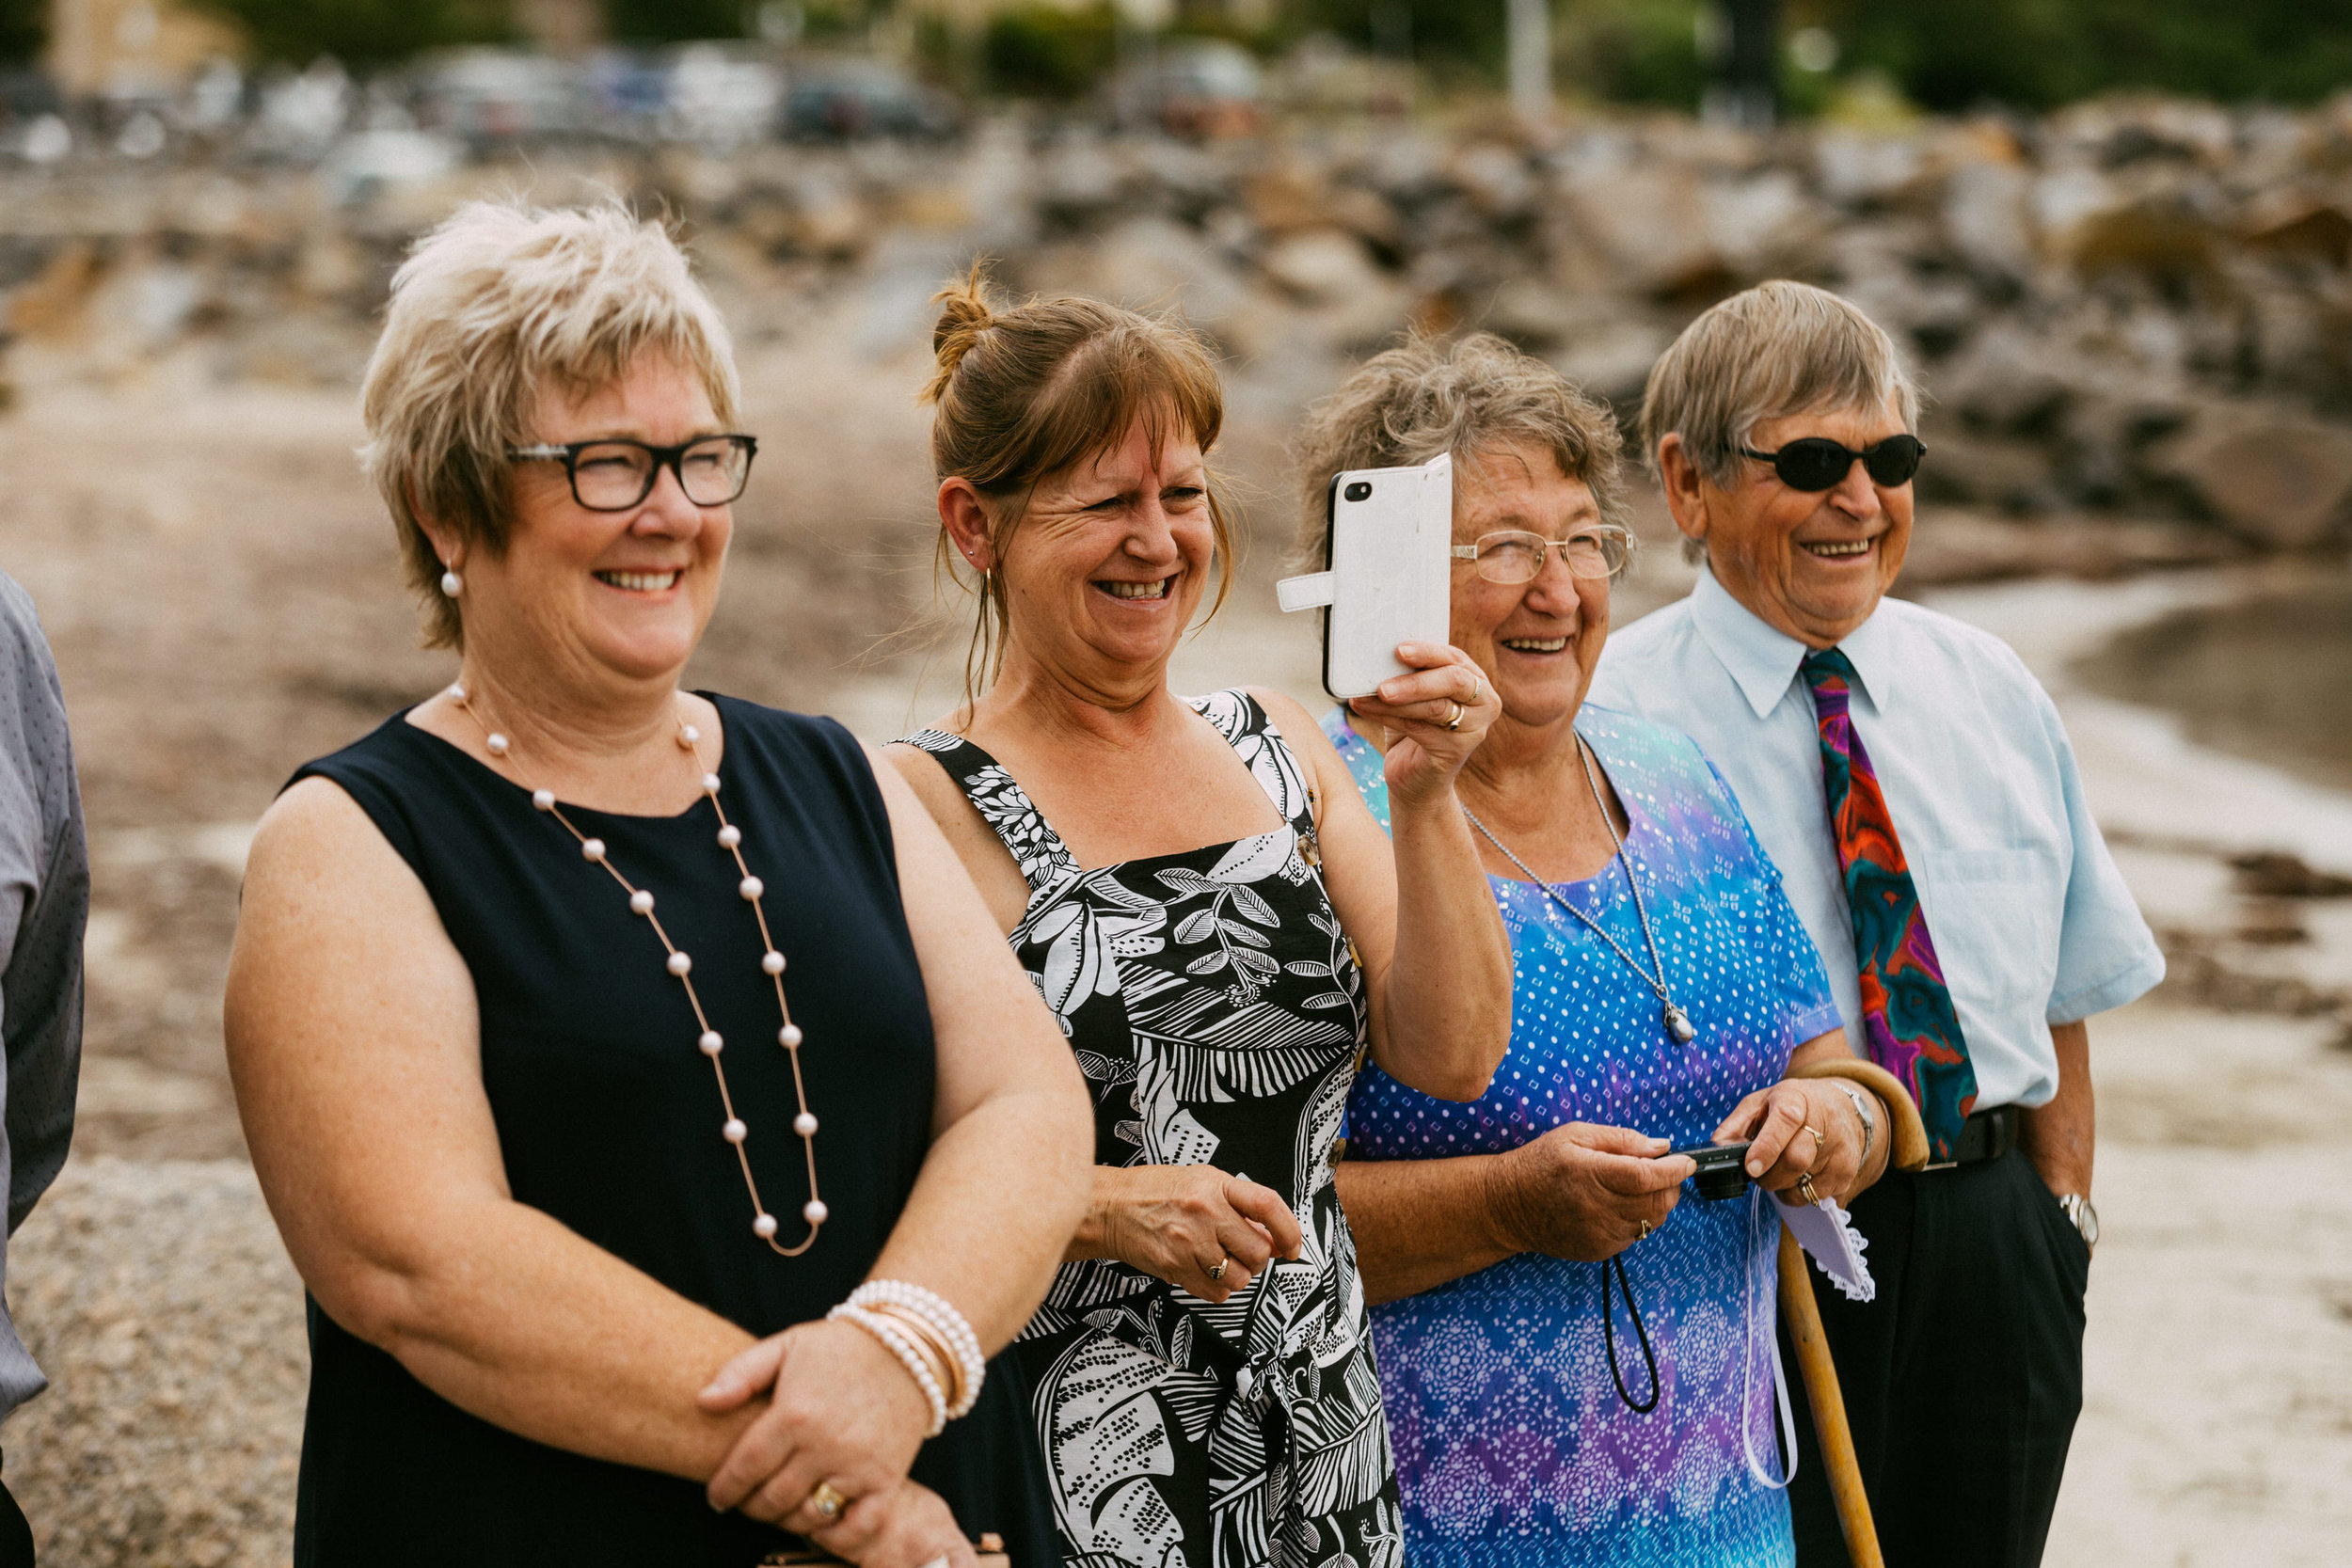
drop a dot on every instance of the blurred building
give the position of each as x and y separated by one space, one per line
130 47
561 26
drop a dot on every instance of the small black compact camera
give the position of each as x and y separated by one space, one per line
1723 1169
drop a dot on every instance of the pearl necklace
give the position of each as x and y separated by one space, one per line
679 964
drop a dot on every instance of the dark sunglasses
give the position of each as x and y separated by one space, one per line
1817 462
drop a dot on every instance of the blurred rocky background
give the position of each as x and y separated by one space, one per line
2115 238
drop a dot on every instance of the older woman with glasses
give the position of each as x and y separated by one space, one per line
628 1068
1664 988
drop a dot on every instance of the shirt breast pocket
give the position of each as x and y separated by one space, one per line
1994 916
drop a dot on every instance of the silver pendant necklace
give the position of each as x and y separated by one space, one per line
1678 1022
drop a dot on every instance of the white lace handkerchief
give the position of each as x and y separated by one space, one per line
1827 1234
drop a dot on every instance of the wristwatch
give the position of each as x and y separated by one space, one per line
1862 1109
2086 1218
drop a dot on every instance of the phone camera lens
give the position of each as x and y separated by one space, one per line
1360 491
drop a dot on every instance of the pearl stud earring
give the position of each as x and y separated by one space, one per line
452 583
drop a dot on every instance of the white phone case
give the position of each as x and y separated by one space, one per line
1386 582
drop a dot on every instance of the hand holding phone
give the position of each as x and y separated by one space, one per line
1386 579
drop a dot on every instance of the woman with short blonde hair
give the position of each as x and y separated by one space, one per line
628 1068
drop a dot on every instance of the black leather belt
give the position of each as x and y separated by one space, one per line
1986 1135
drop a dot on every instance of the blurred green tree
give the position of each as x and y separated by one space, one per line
676 21
1046 52
23 29
1956 55
364 32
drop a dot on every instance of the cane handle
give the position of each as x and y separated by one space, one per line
1907 1136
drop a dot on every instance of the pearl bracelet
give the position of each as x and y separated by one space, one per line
948 1324
909 1357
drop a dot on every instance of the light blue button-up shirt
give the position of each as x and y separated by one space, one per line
2030 918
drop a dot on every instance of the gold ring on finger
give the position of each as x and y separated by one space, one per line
1455 723
1216 1270
1804 1188
1819 1143
826 1503
1644 1235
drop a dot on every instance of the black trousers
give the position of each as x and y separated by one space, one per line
16 1535
1964 1378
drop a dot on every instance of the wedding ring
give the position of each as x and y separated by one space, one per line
825 1503
1804 1188
1455 723
1218 1270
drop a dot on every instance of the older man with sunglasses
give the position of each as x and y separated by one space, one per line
1915 787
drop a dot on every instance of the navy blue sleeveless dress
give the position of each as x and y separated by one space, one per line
608 1118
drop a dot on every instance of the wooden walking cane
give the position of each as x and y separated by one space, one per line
1908 1150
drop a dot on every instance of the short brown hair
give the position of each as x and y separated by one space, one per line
489 308
1025 391
1777 349
1469 398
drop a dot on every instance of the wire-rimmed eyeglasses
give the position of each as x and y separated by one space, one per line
1513 555
613 474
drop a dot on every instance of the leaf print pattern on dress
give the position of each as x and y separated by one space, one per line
1215 1005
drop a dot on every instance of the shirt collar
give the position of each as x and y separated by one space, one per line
1762 659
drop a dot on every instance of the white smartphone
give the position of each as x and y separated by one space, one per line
1385 580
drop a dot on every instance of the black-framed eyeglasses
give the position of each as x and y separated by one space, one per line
1513 555
613 475
1817 462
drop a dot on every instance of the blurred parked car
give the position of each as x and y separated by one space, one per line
489 96
1192 87
722 99
838 99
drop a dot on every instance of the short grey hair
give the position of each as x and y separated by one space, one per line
1777 349
492 307
1472 397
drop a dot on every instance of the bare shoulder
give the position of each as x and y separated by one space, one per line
920 771
1303 732
312 826
1298 727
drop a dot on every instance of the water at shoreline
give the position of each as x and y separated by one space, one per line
2267 677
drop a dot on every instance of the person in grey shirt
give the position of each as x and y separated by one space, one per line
1915 786
45 903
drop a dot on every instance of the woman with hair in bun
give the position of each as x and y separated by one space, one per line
628 1068
1221 930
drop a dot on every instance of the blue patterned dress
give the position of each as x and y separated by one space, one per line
1512 1445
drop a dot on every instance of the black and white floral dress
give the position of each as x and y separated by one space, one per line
1217 1012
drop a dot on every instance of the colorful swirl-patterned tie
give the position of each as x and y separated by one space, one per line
1906 1007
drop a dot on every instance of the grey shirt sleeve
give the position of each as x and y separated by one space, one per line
45 904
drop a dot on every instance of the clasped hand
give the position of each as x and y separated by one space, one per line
841 1410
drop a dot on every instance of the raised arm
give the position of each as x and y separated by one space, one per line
1415 900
